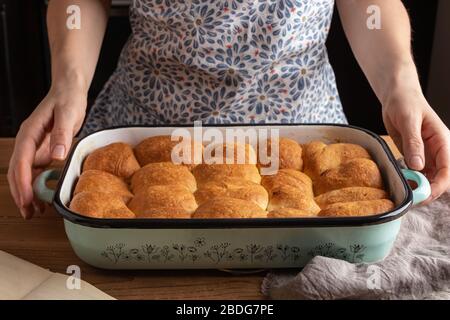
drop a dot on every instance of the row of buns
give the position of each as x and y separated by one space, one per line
314 179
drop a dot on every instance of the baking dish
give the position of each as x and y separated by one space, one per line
232 243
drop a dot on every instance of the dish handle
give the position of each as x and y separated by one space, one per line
423 190
40 188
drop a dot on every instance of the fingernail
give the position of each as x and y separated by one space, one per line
416 162
23 213
58 151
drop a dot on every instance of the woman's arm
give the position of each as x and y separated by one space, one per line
47 134
383 54
385 57
75 52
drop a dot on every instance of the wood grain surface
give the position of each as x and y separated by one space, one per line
42 241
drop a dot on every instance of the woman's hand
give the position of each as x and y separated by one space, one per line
45 136
384 54
421 135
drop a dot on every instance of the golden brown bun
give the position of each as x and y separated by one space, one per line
290 197
289 154
163 213
350 194
289 213
100 205
319 157
204 173
288 177
170 201
224 207
159 149
102 181
238 153
233 188
162 173
357 208
354 173
115 158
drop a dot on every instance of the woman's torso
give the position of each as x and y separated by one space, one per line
222 61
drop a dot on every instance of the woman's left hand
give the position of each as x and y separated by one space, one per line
421 136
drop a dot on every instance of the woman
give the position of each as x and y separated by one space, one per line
224 61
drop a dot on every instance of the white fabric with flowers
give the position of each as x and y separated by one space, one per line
220 62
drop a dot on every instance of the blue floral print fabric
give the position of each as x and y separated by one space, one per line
222 61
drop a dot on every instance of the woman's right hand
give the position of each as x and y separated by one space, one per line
44 136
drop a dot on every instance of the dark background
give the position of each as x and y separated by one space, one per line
25 67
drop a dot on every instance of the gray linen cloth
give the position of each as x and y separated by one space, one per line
417 268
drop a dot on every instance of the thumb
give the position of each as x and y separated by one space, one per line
62 133
412 143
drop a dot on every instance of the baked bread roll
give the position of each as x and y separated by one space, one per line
232 153
115 158
170 201
350 194
357 208
233 188
319 157
162 173
289 213
102 181
290 197
100 205
159 149
204 173
289 154
224 207
289 177
163 213
353 173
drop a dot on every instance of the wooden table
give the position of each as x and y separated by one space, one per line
42 241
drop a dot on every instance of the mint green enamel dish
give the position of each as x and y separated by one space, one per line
233 243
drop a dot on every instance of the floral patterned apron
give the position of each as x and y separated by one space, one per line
222 61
